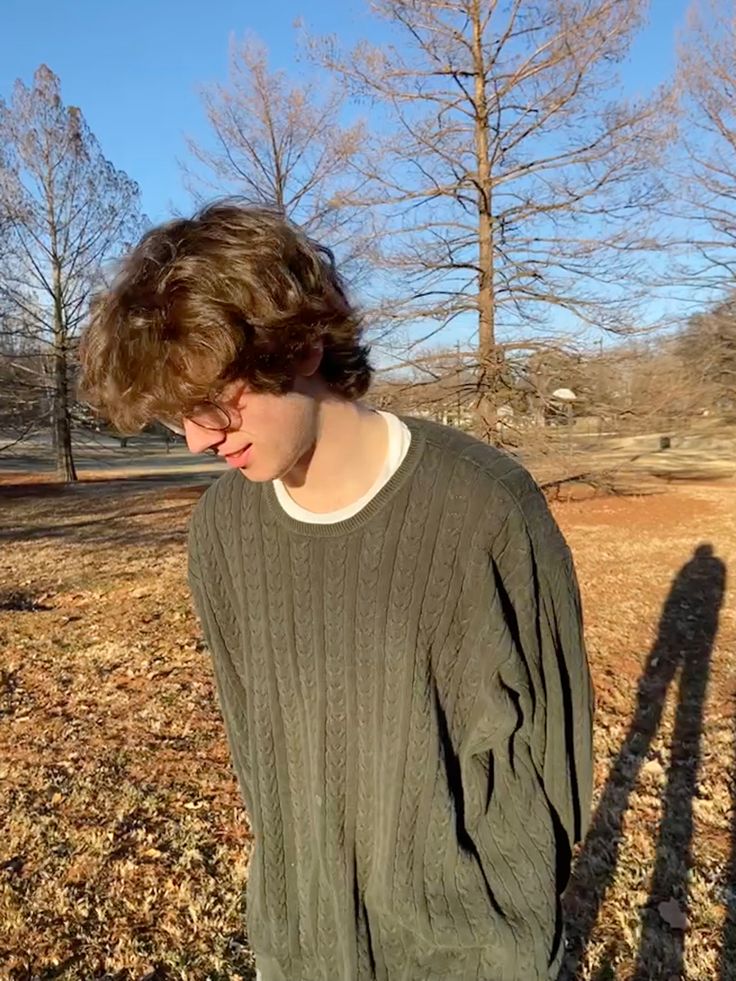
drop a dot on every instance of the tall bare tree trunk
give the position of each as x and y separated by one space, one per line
488 366
65 468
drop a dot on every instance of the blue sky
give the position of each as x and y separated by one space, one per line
135 68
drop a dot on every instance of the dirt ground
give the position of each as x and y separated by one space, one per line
124 847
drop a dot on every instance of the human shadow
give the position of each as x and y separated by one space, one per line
695 603
687 630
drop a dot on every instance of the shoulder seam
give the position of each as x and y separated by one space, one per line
497 481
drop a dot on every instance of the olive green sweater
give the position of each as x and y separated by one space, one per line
408 707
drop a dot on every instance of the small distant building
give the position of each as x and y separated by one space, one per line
564 395
560 408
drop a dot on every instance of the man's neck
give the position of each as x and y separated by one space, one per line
348 456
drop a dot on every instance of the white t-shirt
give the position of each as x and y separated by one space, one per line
399 439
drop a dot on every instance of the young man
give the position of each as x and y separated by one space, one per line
392 613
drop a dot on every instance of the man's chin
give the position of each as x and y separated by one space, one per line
260 474
254 476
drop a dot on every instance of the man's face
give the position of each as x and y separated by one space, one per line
269 435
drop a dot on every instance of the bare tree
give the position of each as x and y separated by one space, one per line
435 383
23 405
514 179
285 145
64 210
707 345
706 192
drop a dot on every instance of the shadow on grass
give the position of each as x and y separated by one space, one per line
687 630
101 486
99 512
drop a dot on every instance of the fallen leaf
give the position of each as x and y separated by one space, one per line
654 767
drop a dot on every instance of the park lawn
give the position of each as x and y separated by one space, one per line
124 848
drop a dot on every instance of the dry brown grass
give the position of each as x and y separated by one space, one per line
662 635
125 847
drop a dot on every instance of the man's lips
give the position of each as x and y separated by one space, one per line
240 457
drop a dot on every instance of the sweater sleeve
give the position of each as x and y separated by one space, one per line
219 628
526 748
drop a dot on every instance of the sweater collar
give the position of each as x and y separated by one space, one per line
372 508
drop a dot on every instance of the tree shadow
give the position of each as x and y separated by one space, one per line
120 512
687 629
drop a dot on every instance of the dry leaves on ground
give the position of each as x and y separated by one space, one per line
125 846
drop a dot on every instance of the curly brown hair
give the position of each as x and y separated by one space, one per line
235 292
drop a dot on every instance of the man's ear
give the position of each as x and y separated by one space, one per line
310 364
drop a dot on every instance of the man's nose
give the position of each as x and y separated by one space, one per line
199 439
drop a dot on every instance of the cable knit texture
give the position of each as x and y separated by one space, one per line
408 706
